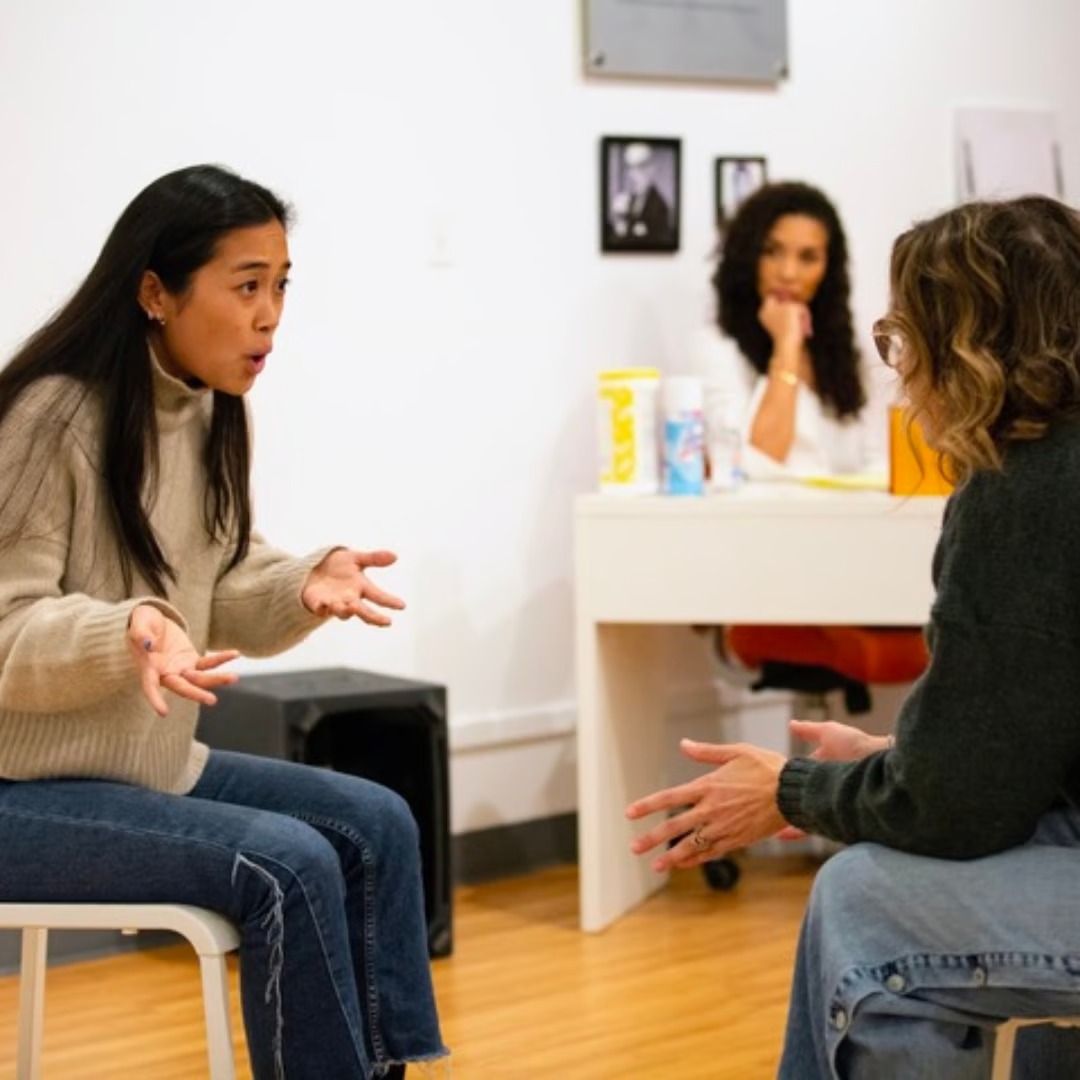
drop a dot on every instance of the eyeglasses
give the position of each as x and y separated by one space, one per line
890 345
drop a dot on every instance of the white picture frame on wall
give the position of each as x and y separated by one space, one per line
735 180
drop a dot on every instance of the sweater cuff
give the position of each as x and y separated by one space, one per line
789 792
163 606
304 566
287 609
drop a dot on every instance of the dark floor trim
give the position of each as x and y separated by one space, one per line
512 850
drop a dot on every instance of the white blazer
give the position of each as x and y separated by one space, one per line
823 445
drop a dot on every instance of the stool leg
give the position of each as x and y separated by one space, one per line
215 984
1004 1045
35 942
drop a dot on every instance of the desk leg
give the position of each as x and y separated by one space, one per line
621 757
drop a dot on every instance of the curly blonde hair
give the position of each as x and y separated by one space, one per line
986 303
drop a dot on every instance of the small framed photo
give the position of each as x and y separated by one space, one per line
639 193
736 179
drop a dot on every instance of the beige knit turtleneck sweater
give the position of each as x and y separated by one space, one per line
70 700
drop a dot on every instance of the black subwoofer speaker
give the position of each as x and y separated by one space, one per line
386 729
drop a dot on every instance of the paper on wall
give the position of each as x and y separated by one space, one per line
1004 153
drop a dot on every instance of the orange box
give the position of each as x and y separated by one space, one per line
914 468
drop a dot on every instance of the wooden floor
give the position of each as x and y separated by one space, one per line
691 985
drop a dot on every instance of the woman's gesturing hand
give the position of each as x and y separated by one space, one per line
729 808
167 660
338 586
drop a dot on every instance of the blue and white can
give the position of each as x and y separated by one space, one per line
683 455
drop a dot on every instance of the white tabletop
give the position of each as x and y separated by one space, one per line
762 554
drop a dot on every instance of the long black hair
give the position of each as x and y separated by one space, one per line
99 340
832 348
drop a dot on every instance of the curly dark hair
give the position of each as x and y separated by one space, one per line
833 353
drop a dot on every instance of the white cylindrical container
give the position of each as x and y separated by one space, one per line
684 435
629 460
724 450
723 440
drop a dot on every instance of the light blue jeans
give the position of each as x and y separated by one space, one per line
906 963
320 871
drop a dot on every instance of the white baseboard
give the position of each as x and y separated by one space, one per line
556 720
488 730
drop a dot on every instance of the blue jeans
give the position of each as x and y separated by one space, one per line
319 870
906 963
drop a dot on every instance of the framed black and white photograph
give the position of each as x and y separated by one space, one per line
736 179
639 193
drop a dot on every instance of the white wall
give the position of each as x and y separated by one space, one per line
432 386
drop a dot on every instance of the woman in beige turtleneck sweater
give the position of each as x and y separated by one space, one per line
129 575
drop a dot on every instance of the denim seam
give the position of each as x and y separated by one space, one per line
999 959
862 981
367 867
360 1053
274 924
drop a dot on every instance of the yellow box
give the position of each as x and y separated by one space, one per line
629 450
914 467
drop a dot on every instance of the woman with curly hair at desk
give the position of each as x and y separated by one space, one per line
784 368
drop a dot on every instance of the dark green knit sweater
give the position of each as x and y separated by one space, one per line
989 737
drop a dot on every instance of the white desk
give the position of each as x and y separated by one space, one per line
759 555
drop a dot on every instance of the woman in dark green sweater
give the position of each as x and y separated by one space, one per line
958 902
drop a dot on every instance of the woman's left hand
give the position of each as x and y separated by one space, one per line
729 808
338 586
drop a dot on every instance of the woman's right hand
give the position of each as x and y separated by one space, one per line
167 660
787 322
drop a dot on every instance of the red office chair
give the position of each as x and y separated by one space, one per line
813 661
816 659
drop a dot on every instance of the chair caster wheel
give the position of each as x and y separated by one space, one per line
721 874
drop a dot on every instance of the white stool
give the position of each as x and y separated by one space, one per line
1005 1041
211 935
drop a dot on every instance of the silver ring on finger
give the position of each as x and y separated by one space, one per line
700 841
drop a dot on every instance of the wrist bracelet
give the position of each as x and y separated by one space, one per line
788 377
890 742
